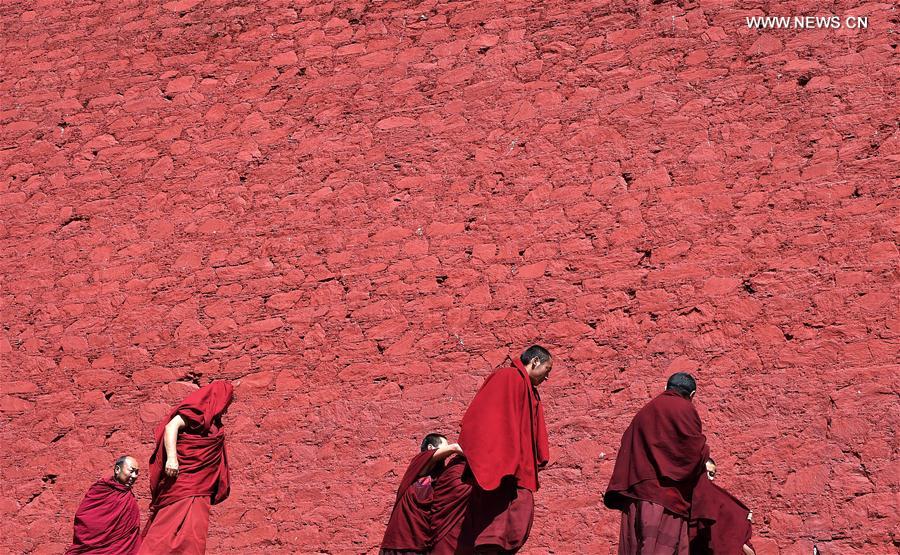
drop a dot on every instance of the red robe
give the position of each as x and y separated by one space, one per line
409 528
181 505
503 430
662 455
429 510
504 438
108 521
722 527
448 509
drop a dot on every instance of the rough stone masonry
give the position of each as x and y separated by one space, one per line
361 208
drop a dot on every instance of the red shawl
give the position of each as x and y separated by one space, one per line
409 526
503 430
723 527
108 521
202 461
662 455
451 499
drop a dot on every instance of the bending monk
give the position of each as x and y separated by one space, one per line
188 472
661 458
108 520
504 438
410 529
720 523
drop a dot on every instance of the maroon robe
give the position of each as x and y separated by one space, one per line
449 507
409 528
108 521
504 438
721 523
661 457
179 507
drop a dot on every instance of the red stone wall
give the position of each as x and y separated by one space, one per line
361 208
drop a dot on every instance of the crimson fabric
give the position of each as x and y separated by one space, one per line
179 528
202 460
448 510
661 456
722 524
503 430
107 521
501 517
409 527
649 529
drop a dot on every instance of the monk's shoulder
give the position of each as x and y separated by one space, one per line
503 375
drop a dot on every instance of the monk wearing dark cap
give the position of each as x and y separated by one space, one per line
108 521
411 527
504 439
720 523
660 460
188 472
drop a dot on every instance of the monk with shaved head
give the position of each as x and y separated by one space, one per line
108 520
504 438
662 455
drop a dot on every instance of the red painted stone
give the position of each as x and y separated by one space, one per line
360 213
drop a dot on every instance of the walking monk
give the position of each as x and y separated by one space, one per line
410 529
504 439
188 472
662 455
108 521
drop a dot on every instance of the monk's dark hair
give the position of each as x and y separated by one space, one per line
681 383
120 462
432 440
535 351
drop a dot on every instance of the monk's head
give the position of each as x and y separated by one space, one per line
683 384
433 441
711 469
126 470
537 362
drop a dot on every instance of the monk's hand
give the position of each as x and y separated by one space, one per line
747 550
172 468
455 448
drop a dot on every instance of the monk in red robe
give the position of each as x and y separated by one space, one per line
410 529
108 521
504 439
449 508
720 523
188 472
660 460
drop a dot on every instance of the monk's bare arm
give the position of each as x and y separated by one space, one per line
439 455
170 439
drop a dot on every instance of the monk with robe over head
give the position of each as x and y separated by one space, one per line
660 460
411 527
188 472
720 523
504 439
108 521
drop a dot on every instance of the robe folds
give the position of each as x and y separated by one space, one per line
651 529
108 521
429 510
661 457
719 521
409 528
203 473
503 430
504 438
